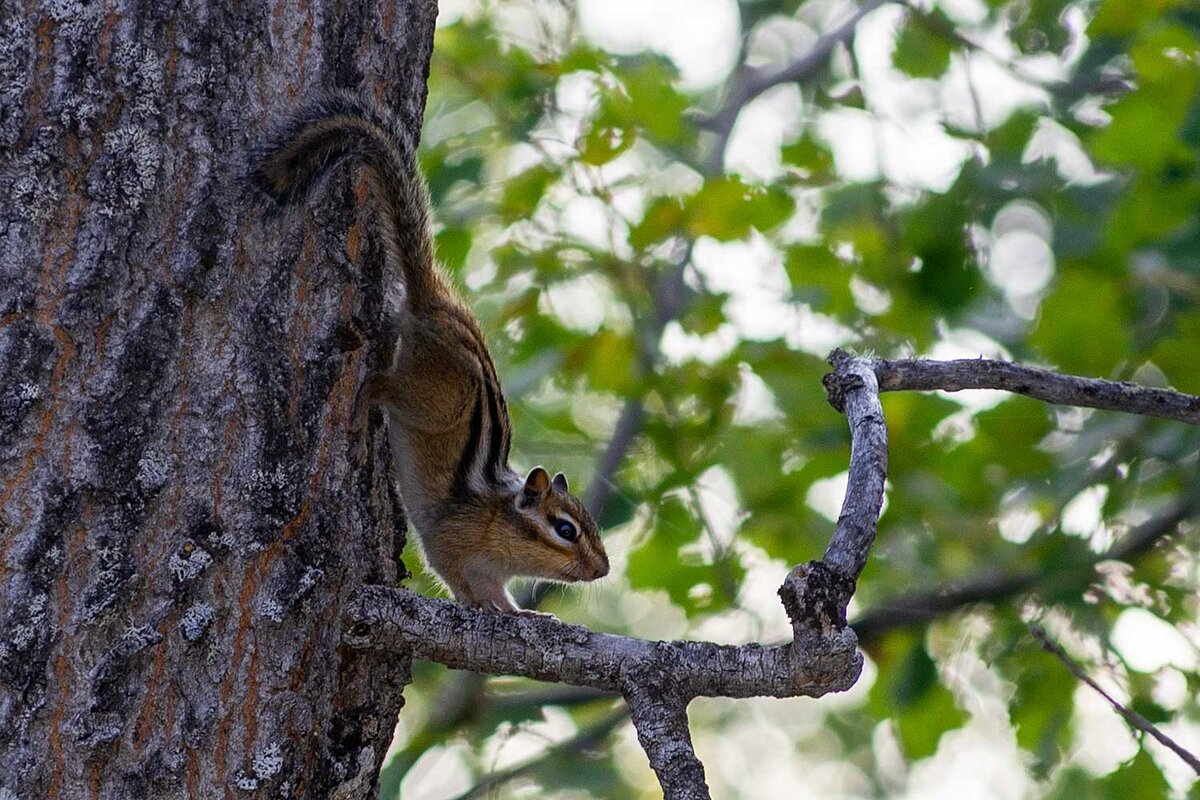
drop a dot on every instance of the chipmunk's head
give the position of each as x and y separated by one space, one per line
569 538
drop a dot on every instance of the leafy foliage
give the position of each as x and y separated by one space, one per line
1018 181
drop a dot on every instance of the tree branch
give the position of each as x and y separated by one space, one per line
1131 717
589 737
1040 384
852 388
822 658
749 82
546 649
659 715
993 587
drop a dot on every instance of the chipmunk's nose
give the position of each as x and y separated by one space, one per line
601 569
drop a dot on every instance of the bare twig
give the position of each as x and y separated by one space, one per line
994 586
1040 384
1131 717
596 498
749 83
590 737
670 298
548 696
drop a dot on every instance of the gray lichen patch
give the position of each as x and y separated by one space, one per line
16 69
195 621
140 72
125 175
26 360
188 562
268 761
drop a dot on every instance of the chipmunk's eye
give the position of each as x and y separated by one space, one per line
565 529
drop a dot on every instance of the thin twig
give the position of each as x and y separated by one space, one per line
548 696
590 737
1131 717
992 587
748 83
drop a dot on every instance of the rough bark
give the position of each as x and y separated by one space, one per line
543 648
1041 384
179 531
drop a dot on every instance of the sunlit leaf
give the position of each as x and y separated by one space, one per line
923 47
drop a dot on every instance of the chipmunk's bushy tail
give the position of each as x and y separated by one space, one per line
344 126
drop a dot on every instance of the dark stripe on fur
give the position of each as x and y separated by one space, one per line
462 472
497 433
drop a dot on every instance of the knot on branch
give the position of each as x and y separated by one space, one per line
824 649
815 596
364 617
841 381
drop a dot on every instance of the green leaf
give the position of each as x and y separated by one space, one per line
1081 328
647 101
726 208
523 192
909 692
606 358
1138 779
667 560
619 508
812 157
1118 17
453 245
603 144
921 51
820 279
1175 355
936 234
664 217
1041 706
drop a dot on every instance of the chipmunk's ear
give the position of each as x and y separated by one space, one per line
537 482
560 482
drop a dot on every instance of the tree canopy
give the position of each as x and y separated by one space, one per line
666 222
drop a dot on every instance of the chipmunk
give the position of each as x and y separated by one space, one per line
479 522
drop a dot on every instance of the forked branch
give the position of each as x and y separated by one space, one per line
659 679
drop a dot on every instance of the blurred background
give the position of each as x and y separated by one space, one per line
667 212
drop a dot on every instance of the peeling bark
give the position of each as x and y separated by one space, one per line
179 530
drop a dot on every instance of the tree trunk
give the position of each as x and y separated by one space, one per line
179 526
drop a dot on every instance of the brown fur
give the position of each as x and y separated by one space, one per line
480 524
